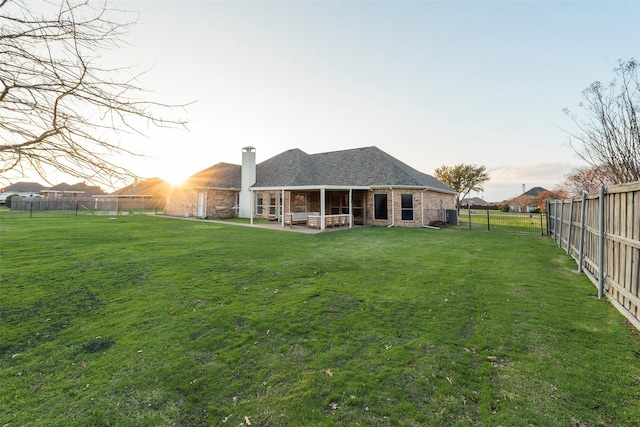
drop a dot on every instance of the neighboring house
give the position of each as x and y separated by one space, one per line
526 202
152 187
145 194
364 185
72 190
23 189
473 201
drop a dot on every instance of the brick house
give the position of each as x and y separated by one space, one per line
526 202
362 186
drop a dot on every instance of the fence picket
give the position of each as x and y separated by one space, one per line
609 242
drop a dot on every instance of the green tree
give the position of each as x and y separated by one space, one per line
463 178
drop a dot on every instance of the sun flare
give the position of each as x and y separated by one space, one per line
175 180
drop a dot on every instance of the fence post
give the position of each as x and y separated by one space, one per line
570 228
77 208
488 225
542 223
30 209
561 220
469 210
549 228
601 246
555 220
583 211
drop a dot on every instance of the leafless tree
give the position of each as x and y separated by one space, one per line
609 137
60 108
586 179
543 196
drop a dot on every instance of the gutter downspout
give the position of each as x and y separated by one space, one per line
393 210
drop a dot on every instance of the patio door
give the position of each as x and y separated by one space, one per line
358 206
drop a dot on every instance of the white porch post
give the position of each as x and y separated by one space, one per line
322 219
351 208
251 206
282 203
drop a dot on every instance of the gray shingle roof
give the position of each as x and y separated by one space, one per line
152 186
24 187
367 166
220 175
88 190
533 192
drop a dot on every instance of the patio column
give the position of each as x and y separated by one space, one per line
322 218
351 208
251 195
282 203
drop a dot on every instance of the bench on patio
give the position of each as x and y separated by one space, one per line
336 220
291 218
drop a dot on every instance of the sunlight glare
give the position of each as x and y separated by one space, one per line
175 179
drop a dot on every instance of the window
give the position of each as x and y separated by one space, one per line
407 207
380 206
259 204
272 205
299 202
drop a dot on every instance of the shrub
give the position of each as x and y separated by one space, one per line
7 202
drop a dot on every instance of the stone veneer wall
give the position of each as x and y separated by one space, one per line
222 203
184 202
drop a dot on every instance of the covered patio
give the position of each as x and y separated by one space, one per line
314 207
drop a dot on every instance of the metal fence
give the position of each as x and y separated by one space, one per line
497 221
601 231
27 207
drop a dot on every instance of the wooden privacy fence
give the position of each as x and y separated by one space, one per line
601 231
73 206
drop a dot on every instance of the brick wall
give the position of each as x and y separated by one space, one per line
426 207
184 202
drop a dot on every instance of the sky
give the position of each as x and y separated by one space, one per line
430 83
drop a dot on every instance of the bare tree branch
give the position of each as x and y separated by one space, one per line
608 138
59 106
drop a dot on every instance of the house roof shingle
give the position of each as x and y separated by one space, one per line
88 190
533 192
24 187
220 175
367 166
147 187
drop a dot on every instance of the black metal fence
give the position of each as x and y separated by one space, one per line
27 207
497 221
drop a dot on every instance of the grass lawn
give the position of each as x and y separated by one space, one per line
510 222
150 321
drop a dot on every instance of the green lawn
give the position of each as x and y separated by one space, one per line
150 321
509 222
